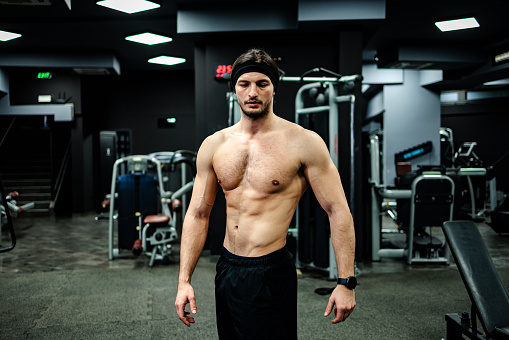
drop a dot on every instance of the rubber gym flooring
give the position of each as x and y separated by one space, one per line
59 284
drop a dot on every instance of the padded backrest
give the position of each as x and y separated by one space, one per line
483 284
432 199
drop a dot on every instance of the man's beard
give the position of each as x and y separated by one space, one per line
259 113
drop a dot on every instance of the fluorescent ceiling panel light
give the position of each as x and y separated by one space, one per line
457 24
129 6
149 38
5 36
165 60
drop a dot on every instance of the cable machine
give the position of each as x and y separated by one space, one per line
318 255
146 212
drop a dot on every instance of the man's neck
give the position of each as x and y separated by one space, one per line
257 126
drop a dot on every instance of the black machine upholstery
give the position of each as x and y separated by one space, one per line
490 300
432 201
403 205
431 205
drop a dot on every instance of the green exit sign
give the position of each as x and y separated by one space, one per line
44 75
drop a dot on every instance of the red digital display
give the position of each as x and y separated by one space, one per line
222 69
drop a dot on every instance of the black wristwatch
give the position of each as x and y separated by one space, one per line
349 282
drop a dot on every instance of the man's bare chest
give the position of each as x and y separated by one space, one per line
265 167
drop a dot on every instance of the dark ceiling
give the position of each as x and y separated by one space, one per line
51 26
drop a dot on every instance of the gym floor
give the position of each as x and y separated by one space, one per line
59 284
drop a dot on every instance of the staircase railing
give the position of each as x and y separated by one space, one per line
60 177
7 132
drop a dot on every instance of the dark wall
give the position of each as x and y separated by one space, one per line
139 102
136 101
25 87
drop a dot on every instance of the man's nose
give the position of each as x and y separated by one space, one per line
253 91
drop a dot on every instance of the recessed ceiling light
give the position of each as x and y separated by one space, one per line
457 24
129 6
149 38
4 35
165 60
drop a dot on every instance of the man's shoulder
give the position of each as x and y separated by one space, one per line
217 137
291 127
300 133
308 144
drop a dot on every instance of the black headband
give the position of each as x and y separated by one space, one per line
251 66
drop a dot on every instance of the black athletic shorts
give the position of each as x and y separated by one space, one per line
256 297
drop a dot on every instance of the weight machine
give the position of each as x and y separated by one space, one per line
488 296
170 161
145 221
470 165
427 201
320 254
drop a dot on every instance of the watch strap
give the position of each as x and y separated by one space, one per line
349 282
342 281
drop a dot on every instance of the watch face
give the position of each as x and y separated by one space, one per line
351 282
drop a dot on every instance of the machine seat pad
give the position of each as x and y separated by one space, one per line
483 284
155 219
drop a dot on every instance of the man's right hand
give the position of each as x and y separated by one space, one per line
185 295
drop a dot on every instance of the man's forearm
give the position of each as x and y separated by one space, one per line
194 235
343 243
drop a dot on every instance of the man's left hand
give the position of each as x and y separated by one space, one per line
344 301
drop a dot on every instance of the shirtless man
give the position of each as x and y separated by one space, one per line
264 165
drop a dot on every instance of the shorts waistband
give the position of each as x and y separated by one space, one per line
245 261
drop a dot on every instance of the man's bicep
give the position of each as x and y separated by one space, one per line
323 176
316 158
326 186
204 190
205 184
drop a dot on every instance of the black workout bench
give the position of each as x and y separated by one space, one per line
490 301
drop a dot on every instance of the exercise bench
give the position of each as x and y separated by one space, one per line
490 301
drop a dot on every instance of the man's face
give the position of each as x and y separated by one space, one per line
255 93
